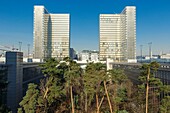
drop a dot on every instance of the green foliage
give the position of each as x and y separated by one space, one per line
67 86
93 83
95 74
122 94
122 111
150 87
166 89
20 110
153 81
118 90
29 102
49 67
50 93
72 72
117 76
165 105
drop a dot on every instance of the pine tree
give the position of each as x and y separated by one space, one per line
115 81
51 88
49 95
71 74
165 105
149 81
30 102
93 79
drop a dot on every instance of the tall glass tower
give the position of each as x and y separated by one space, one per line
51 34
117 34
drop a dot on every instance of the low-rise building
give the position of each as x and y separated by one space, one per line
88 55
165 56
18 75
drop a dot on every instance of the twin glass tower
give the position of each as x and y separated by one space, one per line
117 35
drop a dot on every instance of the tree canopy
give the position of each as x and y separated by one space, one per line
66 87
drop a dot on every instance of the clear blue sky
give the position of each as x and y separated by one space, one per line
153 21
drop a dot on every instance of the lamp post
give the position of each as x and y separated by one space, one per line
150 50
141 46
28 50
20 44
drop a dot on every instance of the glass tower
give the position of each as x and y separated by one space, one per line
117 34
51 34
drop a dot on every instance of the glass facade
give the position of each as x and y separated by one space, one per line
53 37
31 74
112 37
130 20
56 35
117 33
38 31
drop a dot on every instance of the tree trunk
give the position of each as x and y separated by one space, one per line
101 101
45 106
97 103
46 102
108 97
46 91
86 102
147 89
72 102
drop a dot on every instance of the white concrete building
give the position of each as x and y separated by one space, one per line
94 56
88 55
85 56
165 56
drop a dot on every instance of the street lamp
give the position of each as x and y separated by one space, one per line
150 50
20 44
28 50
141 46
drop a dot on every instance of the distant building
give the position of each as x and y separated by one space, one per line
94 56
2 59
165 56
73 54
85 55
51 34
88 55
117 34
